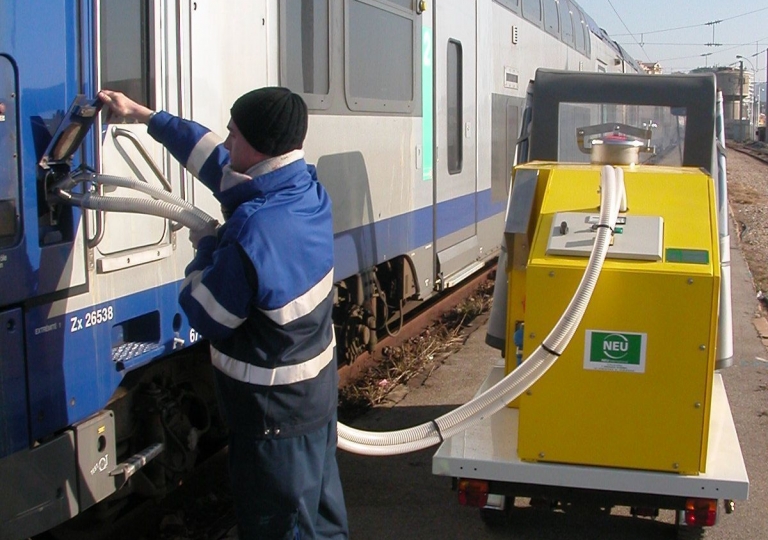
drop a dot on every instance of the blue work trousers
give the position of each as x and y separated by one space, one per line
288 489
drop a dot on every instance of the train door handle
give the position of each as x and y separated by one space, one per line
120 132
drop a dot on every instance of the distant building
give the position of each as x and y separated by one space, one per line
651 68
759 94
738 107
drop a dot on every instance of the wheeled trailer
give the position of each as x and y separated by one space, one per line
484 462
614 285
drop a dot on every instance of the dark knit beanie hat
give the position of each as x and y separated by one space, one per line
272 119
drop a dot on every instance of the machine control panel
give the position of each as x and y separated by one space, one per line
635 237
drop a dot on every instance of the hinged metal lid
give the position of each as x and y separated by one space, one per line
619 144
72 130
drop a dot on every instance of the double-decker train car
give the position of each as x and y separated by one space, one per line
415 111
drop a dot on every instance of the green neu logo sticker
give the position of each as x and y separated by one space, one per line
615 351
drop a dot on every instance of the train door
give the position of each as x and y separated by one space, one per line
230 54
139 53
455 112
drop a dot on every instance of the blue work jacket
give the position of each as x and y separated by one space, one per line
261 289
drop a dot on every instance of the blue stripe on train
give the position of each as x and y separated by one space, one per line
368 245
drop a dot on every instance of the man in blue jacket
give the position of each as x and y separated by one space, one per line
260 289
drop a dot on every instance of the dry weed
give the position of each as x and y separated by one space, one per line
419 355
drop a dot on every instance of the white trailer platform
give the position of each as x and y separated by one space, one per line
488 451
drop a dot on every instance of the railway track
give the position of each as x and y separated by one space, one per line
755 149
432 333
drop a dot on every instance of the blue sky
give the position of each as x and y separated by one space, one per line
743 30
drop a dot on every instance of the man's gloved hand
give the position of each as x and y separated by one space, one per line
209 230
121 105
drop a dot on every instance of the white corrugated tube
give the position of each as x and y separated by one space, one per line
622 189
519 380
168 206
135 205
157 193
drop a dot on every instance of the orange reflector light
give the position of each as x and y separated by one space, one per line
701 512
473 493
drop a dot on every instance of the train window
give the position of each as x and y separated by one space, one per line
551 17
382 55
455 106
126 45
532 11
588 40
513 5
305 50
578 29
566 23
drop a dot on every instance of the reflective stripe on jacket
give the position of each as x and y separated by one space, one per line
262 290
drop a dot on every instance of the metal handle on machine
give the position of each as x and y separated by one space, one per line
612 127
119 132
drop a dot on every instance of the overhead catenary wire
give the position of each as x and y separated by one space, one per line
718 51
698 25
628 30
712 44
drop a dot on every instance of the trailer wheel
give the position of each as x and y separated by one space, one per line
690 533
496 517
